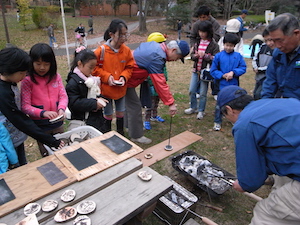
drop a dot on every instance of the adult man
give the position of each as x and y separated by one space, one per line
203 13
150 59
241 18
179 27
91 23
284 69
52 39
266 136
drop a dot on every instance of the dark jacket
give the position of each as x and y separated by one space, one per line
15 120
195 34
283 76
211 50
79 104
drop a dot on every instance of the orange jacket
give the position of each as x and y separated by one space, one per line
118 64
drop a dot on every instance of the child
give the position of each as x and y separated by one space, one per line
8 155
260 63
83 91
227 66
114 71
14 64
151 110
43 95
202 54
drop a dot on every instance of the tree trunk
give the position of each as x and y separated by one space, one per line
142 18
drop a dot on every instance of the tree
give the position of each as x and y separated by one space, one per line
115 4
130 2
143 8
182 12
25 12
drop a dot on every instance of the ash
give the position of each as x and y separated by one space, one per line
203 171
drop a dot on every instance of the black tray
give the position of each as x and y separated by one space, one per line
196 173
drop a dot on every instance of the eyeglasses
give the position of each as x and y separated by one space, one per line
124 35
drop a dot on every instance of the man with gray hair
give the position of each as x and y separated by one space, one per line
284 69
150 59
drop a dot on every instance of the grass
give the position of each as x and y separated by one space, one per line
218 147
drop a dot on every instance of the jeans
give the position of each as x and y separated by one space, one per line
194 85
218 115
119 104
52 40
203 95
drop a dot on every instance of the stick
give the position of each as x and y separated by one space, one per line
203 218
212 207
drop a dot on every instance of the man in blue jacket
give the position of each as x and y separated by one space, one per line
266 137
284 69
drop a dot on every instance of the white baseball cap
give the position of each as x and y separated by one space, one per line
233 26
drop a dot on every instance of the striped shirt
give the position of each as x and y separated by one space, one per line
202 47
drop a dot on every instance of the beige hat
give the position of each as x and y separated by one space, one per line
233 26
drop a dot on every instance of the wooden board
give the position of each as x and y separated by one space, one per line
126 198
28 184
84 189
105 156
178 142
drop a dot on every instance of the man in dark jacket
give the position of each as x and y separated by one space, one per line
284 69
203 13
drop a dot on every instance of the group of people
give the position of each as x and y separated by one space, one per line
42 97
266 132
265 125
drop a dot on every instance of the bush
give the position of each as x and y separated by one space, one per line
43 16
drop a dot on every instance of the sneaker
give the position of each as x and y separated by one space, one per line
200 115
142 140
217 126
147 125
216 97
157 118
190 111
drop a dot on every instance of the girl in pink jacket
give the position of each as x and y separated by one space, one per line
43 96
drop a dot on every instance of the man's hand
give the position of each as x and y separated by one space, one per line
237 186
172 109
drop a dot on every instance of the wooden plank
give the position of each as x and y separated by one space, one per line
28 184
178 142
124 199
102 154
83 189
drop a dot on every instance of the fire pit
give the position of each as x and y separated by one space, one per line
206 175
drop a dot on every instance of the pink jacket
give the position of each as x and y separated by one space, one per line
37 98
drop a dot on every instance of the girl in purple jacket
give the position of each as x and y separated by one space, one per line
43 96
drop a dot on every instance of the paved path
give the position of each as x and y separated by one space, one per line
131 27
92 41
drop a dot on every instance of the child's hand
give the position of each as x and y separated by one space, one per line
111 81
101 103
122 80
62 112
201 53
50 115
61 144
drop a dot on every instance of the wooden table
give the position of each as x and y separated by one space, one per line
119 193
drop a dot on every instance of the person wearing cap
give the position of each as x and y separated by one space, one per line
233 27
151 105
226 68
150 59
203 13
266 137
284 69
241 18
